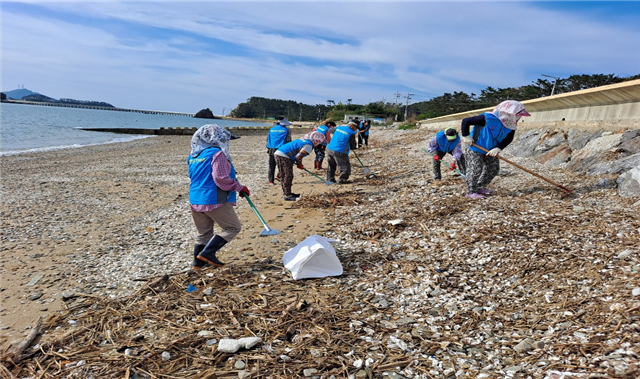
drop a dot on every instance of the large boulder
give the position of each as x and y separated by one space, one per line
525 144
630 141
613 166
629 183
557 156
578 139
550 139
593 152
204 113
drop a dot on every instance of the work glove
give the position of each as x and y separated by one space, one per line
467 140
436 158
453 166
494 152
300 166
244 192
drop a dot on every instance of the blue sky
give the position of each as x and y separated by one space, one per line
186 56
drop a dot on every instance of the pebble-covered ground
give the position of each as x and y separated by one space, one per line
526 283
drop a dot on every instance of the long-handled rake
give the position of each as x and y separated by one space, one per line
567 190
455 169
267 231
366 170
325 181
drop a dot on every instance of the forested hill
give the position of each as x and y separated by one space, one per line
28 95
448 103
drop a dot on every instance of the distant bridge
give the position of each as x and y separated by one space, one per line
97 107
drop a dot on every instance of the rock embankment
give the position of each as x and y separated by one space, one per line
525 283
592 153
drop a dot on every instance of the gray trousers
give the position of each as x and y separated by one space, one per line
437 174
480 170
226 218
338 160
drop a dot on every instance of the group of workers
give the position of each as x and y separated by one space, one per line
212 192
326 140
476 152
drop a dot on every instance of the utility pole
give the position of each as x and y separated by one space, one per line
406 107
554 82
397 97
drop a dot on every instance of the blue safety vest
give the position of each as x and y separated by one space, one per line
340 140
322 129
444 144
277 136
203 190
366 129
292 148
490 135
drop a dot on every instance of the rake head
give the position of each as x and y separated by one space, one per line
269 232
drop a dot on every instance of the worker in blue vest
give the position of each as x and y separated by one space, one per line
294 152
326 130
278 135
492 131
363 133
342 141
446 142
212 193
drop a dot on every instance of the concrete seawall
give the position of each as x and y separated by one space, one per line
611 108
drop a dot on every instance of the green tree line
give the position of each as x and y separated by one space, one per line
448 103
263 108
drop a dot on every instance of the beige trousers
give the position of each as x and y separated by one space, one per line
226 218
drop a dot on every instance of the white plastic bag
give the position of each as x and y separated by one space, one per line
313 258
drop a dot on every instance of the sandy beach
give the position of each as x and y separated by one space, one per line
92 220
422 264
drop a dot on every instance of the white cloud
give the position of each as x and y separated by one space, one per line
185 56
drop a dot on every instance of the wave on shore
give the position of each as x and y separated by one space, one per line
73 146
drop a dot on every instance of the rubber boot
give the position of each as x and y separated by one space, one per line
209 253
320 166
437 175
197 263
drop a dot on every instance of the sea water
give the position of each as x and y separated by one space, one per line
31 128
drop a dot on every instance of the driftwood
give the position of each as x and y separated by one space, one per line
15 353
